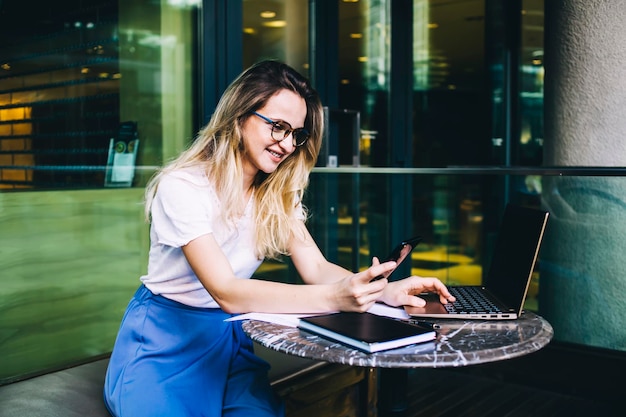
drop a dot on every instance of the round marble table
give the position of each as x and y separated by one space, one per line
458 343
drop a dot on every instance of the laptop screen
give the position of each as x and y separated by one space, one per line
515 253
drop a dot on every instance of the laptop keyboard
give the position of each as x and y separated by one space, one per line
470 300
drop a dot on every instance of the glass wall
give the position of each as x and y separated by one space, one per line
57 62
364 81
451 107
514 58
457 246
276 30
529 151
92 97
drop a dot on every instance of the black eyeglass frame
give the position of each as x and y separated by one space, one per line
299 136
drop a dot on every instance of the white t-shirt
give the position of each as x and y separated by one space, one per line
184 208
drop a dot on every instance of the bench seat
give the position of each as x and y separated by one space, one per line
72 392
77 391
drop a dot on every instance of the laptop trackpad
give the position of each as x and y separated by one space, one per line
433 306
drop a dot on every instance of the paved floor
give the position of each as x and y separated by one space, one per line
449 393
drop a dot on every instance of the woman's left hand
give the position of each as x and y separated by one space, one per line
403 292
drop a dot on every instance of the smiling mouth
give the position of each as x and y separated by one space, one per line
275 154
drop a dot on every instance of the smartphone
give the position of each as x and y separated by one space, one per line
399 253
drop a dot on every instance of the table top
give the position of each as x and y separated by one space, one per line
458 343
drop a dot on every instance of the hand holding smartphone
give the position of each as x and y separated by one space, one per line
399 253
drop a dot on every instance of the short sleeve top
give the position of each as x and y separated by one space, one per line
184 208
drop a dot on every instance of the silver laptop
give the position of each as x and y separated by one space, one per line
504 291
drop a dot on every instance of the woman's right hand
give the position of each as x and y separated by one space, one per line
359 291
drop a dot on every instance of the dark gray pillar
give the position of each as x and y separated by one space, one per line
583 269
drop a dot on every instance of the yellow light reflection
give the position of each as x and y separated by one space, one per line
275 24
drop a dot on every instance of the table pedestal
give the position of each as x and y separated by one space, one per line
392 392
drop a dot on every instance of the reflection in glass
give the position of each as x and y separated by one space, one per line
530 145
276 30
71 252
70 75
364 68
449 100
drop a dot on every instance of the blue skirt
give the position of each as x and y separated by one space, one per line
170 359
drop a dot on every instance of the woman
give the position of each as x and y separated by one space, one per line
231 200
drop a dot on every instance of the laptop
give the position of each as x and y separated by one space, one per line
504 291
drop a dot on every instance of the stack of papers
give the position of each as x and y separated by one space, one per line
381 328
292 320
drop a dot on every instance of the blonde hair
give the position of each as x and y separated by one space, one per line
219 148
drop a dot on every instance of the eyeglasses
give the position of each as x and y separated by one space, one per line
282 129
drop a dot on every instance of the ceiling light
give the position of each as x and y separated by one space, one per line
268 14
275 24
356 35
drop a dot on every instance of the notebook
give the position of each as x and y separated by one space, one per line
366 331
504 291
